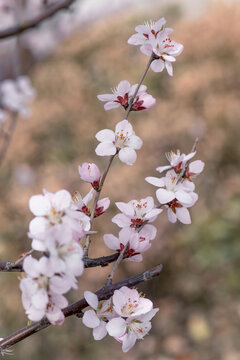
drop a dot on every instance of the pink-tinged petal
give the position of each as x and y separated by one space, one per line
100 331
116 327
40 299
111 105
90 319
146 49
157 65
196 166
124 126
125 208
148 232
35 314
123 88
159 24
128 156
142 29
169 58
183 215
171 216
105 149
105 135
106 97
91 299
149 315
135 39
189 156
38 225
88 197
38 245
155 181
39 205
56 317
183 197
151 214
121 220
163 168
119 300
129 341
111 241
164 196
136 258
144 306
61 200
125 234
142 88
169 68
30 266
134 142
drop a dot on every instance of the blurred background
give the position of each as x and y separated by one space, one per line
198 292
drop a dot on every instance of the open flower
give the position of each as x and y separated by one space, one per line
177 161
144 31
97 318
138 242
136 213
122 94
123 141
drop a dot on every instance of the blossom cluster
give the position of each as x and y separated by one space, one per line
15 95
62 220
125 316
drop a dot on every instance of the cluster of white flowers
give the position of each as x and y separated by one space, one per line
15 95
154 38
61 220
176 188
125 316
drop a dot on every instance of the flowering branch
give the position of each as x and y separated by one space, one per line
97 195
77 307
9 266
19 29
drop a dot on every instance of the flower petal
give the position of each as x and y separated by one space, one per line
116 327
90 319
91 299
105 149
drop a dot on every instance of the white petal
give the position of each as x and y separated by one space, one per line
106 97
129 341
116 327
155 181
157 65
125 127
39 205
169 68
61 200
111 105
172 217
111 241
134 142
183 197
163 168
164 196
196 166
91 299
123 88
121 220
183 215
100 331
105 135
125 208
105 149
128 156
90 319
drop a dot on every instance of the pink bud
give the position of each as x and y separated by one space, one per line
90 173
143 102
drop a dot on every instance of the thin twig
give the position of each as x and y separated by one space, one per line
116 264
138 87
22 257
96 198
30 24
77 307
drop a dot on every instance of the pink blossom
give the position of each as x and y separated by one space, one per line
124 142
81 203
90 173
122 94
137 242
143 31
194 169
52 209
177 161
131 329
16 94
97 318
136 213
